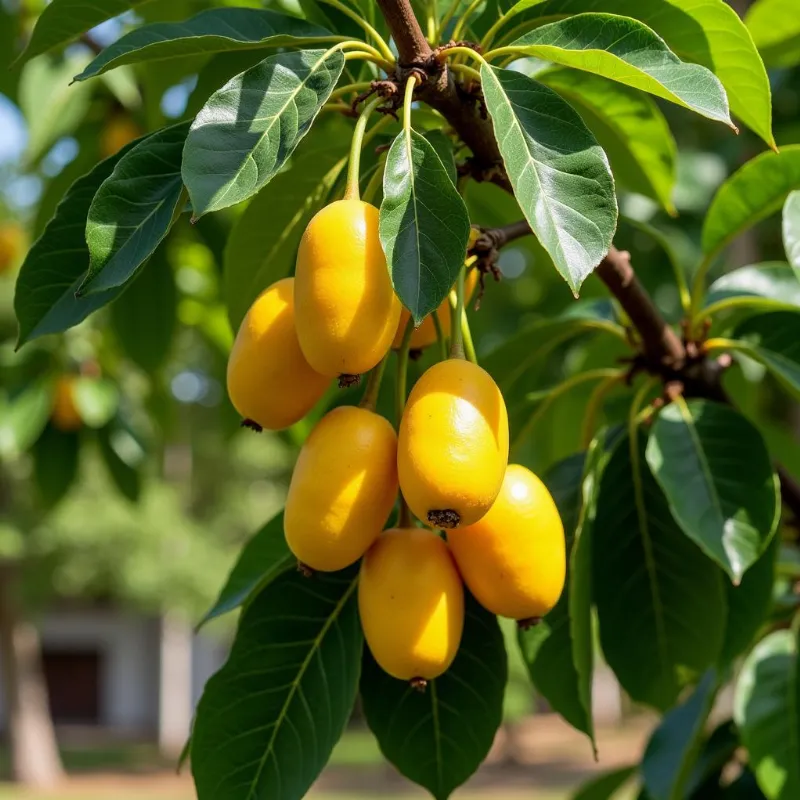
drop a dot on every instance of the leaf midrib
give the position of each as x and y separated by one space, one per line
295 686
413 191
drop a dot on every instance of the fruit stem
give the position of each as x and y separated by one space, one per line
375 181
370 398
353 192
402 370
437 323
456 326
466 334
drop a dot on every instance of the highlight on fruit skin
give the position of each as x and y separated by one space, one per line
425 335
453 444
65 415
270 383
343 488
411 602
514 559
347 311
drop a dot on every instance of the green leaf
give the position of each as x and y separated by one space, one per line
628 125
23 417
440 737
623 49
715 471
144 318
754 192
134 209
767 711
791 230
264 558
51 107
443 145
248 129
55 464
64 20
560 175
774 340
749 604
96 400
216 30
559 650
707 32
262 246
122 467
775 28
771 285
606 785
45 300
660 601
424 224
675 743
268 720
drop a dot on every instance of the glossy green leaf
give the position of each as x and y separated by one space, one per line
439 737
216 30
248 129
64 20
707 32
55 464
57 262
559 650
52 108
122 465
443 145
265 556
134 209
769 285
268 720
606 785
767 711
754 192
424 224
749 604
23 417
715 471
625 50
675 743
774 340
145 317
628 125
560 175
96 400
791 230
262 246
775 28
660 601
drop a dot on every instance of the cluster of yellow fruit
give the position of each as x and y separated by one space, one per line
338 317
12 246
65 415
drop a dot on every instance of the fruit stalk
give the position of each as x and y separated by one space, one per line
456 331
404 518
352 190
370 398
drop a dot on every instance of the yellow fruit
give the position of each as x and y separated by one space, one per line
12 245
343 488
411 602
347 311
270 382
65 414
425 335
116 134
514 559
453 445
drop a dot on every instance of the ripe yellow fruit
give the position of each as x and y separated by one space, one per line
118 132
343 488
453 445
411 602
514 559
270 382
65 415
347 311
12 245
425 335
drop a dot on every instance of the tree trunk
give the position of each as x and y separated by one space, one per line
35 760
